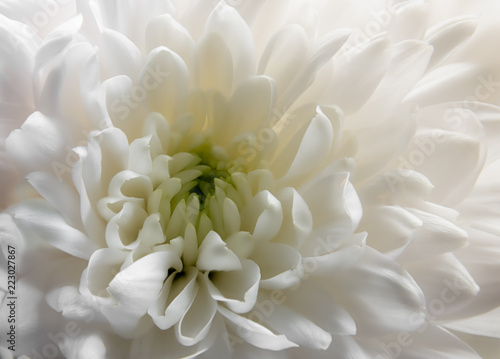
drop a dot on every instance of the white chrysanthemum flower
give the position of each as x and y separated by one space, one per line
204 182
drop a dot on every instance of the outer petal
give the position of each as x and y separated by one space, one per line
38 216
395 301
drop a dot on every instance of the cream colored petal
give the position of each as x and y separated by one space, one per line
38 143
197 320
448 36
390 228
164 83
253 332
165 31
298 328
176 296
118 55
238 289
395 303
214 65
321 308
40 217
280 265
284 55
446 284
262 216
215 256
349 89
225 21
297 218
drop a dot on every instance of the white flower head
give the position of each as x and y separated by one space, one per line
207 183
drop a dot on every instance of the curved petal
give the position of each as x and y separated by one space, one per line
118 55
284 55
349 88
262 216
225 21
297 218
314 146
280 265
164 83
333 202
38 143
214 255
447 36
165 31
447 285
391 228
178 293
390 288
238 289
40 217
62 196
197 320
253 332
138 286
298 328
214 65
122 230
313 301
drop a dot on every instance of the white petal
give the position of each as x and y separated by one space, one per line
63 197
395 302
241 243
447 285
484 324
297 328
325 48
228 24
254 333
410 21
448 36
38 143
350 89
164 82
464 153
103 266
297 218
215 256
332 200
314 146
196 322
409 61
390 228
262 216
314 302
118 55
40 217
123 229
434 342
238 289
139 159
165 31
284 55
324 262
436 236
280 265
214 65
138 285
158 128
176 296
249 108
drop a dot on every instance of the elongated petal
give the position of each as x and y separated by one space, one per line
40 217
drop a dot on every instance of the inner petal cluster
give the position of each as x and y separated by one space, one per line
217 235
